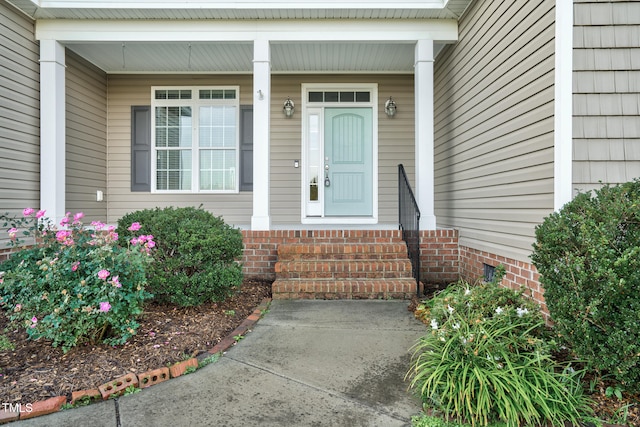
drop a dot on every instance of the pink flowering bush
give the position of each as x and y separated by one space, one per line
77 284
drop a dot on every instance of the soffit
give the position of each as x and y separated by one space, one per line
202 57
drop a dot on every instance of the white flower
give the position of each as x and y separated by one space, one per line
521 311
456 326
499 310
467 291
434 324
451 310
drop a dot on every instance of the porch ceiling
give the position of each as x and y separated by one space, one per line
237 57
177 44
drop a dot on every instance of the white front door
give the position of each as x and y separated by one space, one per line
339 160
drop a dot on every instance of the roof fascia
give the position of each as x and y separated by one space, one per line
443 30
242 4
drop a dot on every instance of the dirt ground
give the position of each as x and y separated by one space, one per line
35 371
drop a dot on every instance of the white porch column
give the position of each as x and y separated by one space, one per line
424 133
261 219
563 106
52 129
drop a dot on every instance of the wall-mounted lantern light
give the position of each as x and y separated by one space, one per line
288 107
390 107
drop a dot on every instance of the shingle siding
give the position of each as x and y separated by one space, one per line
494 107
606 100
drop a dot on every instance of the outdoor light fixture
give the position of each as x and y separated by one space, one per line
288 108
390 107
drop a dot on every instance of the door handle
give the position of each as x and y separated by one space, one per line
327 181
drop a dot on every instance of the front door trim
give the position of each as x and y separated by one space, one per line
310 215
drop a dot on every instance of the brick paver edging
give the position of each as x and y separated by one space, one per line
118 386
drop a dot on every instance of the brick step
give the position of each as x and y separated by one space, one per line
344 236
399 288
357 251
342 269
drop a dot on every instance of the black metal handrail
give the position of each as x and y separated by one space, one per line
409 221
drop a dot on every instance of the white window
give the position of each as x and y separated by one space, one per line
195 134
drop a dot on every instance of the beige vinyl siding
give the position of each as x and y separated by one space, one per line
19 114
494 111
396 145
86 138
126 91
606 93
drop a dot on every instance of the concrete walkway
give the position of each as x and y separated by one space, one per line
306 363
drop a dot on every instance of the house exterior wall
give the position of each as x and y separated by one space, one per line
395 145
86 144
126 91
494 141
20 111
606 93
19 114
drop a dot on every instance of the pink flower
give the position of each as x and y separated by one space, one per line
77 217
103 274
12 233
34 321
75 266
18 307
28 211
64 237
134 227
105 306
40 214
111 228
134 241
116 281
64 221
98 225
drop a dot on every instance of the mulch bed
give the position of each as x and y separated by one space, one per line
35 371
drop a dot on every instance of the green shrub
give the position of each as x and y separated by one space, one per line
588 255
196 254
486 359
76 285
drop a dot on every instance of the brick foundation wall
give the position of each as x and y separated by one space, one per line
518 273
439 257
440 261
5 253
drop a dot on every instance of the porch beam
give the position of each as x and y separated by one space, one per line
52 129
424 117
261 219
409 30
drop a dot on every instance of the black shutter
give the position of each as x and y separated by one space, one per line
141 148
246 148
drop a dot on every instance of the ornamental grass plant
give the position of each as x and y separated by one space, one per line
487 358
73 284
